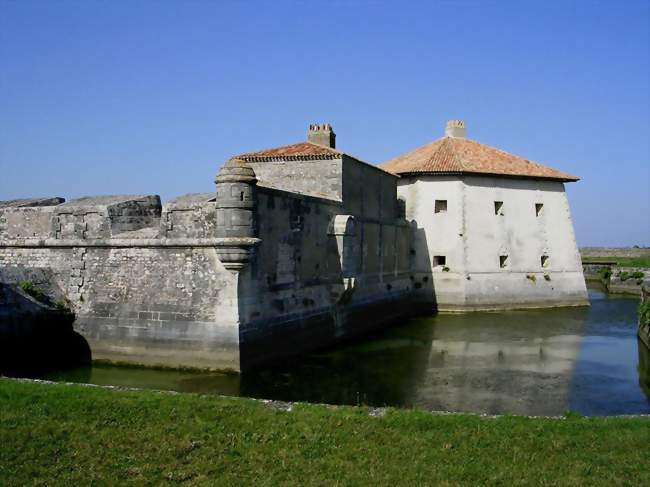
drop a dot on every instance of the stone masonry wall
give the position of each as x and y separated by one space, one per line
154 304
147 284
189 216
319 275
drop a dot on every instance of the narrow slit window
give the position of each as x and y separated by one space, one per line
498 208
503 261
538 208
544 260
441 206
241 196
439 260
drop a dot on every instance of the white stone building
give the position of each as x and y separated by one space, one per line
491 230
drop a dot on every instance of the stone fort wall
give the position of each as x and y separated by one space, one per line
149 283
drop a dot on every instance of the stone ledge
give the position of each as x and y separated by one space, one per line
129 243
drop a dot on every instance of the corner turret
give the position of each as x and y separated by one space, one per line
236 209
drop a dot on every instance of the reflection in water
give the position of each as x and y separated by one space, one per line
512 362
524 362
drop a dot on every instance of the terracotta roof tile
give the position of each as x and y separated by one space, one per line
303 150
453 155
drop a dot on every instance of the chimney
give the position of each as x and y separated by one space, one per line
456 129
322 134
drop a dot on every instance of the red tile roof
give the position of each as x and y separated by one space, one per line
451 155
303 150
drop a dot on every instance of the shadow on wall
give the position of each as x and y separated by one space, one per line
294 293
644 368
304 292
424 289
36 337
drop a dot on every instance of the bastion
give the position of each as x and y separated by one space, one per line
288 254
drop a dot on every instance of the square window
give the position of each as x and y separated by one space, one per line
538 208
439 260
503 261
544 260
441 206
498 208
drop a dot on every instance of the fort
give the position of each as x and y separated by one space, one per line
300 246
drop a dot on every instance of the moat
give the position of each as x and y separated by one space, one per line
523 362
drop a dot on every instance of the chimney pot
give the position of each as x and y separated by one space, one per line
322 134
456 129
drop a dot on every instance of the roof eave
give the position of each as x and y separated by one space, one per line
572 179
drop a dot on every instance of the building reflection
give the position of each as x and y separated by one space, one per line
518 362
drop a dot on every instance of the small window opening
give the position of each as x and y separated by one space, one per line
544 260
538 208
241 196
439 260
441 206
503 261
498 208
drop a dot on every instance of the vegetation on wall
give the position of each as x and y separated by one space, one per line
624 276
29 288
605 273
644 312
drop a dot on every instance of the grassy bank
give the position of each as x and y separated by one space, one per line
75 435
620 261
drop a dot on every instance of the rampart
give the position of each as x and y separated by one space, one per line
224 280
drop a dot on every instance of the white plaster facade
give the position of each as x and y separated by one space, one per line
492 261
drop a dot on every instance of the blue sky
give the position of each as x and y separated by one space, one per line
153 96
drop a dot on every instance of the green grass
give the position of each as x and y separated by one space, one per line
74 435
620 261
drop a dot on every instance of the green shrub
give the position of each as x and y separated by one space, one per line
624 276
33 291
547 277
644 312
637 275
445 269
605 273
531 277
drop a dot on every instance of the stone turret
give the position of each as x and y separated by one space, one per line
236 205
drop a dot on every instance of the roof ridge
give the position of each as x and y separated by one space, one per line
262 152
457 160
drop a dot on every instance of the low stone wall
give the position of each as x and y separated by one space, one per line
614 252
593 272
623 282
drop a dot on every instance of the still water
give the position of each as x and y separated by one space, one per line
522 362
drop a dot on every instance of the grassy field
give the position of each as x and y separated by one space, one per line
620 261
74 435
